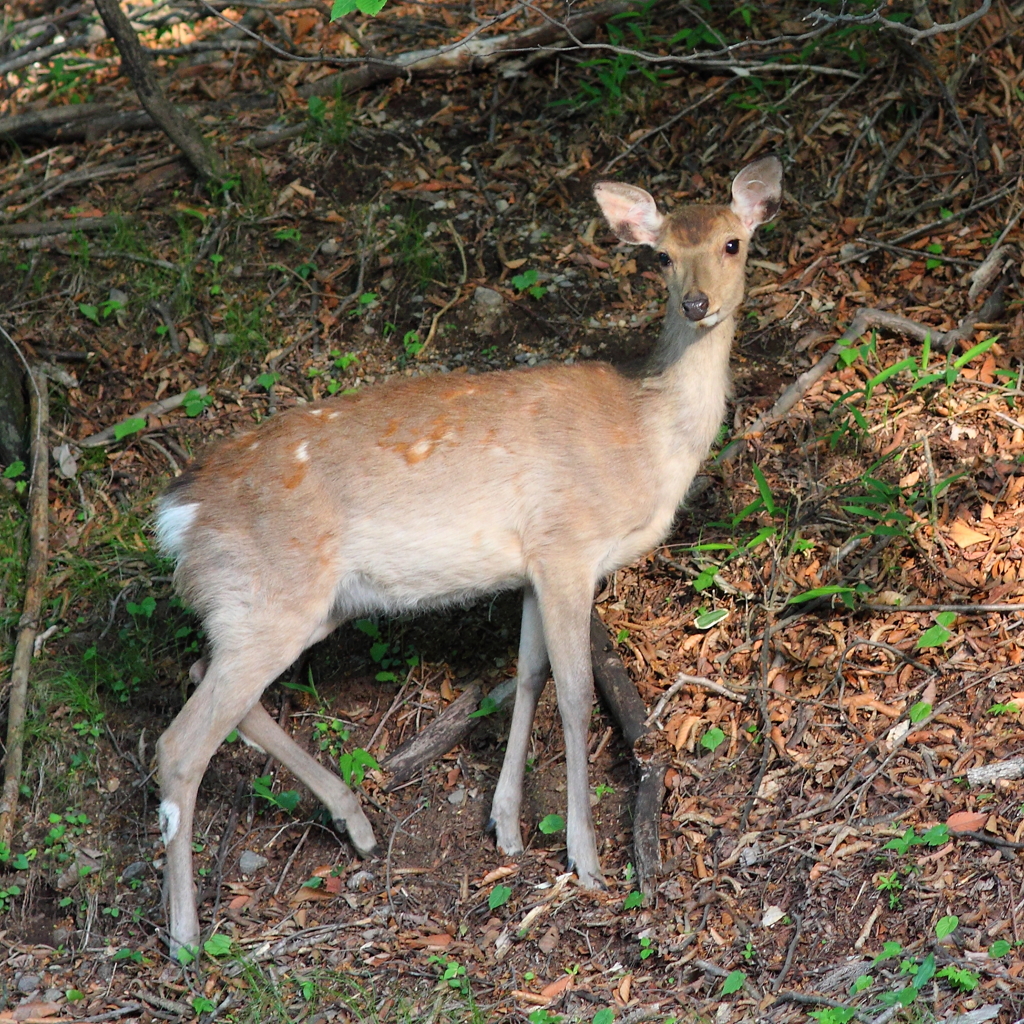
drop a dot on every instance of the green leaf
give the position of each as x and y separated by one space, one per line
920 711
705 620
268 380
202 1005
936 835
889 949
551 823
810 595
525 280
633 900
764 489
487 707
604 1016
217 945
129 426
934 637
499 896
999 948
835 1014
16 468
733 983
925 972
862 982
712 739
946 926
91 312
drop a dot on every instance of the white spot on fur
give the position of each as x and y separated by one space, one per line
421 448
172 524
711 319
334 415
316 412
254 446
170 818
302 453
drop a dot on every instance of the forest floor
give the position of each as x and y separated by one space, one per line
847 578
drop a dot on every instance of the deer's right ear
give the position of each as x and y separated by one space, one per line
630 211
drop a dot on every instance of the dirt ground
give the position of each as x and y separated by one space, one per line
846 582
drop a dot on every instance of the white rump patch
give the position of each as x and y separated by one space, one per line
172 523
170 818
302 452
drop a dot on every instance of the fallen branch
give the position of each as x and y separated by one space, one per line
41 229
630 713
450 728
28 624
106 435
139 69
469 54
986 774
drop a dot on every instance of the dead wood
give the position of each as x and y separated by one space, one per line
40 229
41 54
448 729
137 66
986 774
28 625
469 54
626 706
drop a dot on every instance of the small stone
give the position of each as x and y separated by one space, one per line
136 870
249 863
329 247
198 346
501 205
53 995
457 797
586 351
487 297
28 983
222 338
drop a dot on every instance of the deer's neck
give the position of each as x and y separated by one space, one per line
684 389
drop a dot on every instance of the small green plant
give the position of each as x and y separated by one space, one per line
499 896
1004 709
363 304
382 652
712 739
353 766
891 886
938 634
834 1015
647 947
551 823
195 403
288 235
14 470
411 344
527 282
733 982
287 800
936 250
267 380
339 363
453 974
959 978
601 789
104 310
7 896
128 427
218 945
633 900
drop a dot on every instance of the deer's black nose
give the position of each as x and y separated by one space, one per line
695 306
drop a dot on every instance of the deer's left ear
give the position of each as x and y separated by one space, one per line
630 211
757 192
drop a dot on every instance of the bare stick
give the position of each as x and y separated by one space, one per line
106 435
137 66
630 713
28 625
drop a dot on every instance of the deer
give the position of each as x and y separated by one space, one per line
435 490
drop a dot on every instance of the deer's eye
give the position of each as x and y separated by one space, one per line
732 246
664 259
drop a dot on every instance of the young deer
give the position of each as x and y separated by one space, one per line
435 490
